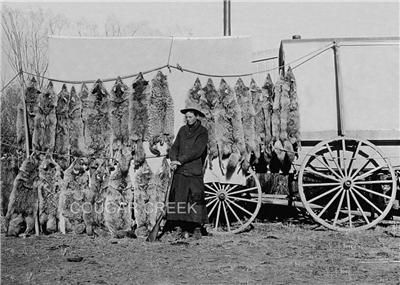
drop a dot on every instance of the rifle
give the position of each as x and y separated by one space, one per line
154 232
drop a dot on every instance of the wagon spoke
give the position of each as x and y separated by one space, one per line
361 168
327 166
348 207
344 158
226 217
209 187
369 173
320 184
209 197
218 212
353 157
322 175
373 182
372 192
240 207
359 206
213 208
230 188
324 194
338 209
241 191
234 213
368 201
213 201
213 194
333 159
243 199
327 206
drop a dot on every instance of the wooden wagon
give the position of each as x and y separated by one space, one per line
349 98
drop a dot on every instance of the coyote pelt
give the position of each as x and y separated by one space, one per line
72 200
45 121
96 123
118 203
280 109
49 183
62 145
23 202
194 96
293 127
244 99
208 104
31 101
161 109
75 123
9 170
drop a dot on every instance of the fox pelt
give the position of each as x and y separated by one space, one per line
31 101
75 123
118 203
72 203
96 123
62 145
45 121
161 110
208 103
293 127
49 183
244 99
23 203
229 128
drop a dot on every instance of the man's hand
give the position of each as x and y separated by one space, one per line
174 164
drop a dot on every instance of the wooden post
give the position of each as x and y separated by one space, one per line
338 82
227 17
27 139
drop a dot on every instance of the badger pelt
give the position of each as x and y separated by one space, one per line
31 102
118 203
24 198
9 170
293 127
44 132
75 122
72 203
244 99
62 145
229 128
208 103
96 123
160 109
49 184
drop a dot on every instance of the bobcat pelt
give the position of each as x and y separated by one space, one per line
161 110
293 127
118 203
62 145
75 123
45 121
72 205
244 99
23 202
229 128
208 103
31 101
95 115
49 184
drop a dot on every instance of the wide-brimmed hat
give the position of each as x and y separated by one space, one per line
194 110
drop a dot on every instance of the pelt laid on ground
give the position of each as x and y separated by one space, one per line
62 144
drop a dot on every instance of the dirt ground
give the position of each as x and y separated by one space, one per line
270 253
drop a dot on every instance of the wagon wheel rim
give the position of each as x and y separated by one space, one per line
347 184
231 208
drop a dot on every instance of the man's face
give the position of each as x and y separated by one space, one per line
190 118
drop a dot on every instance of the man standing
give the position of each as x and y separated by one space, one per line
187 207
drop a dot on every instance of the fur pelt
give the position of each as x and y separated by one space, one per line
96 123
281 107
229 128
208 103
9 170
45 121
24 197
62 145
244 99
194 96
72 200
118 203
293 127
75 123
161 110
49 183
31 101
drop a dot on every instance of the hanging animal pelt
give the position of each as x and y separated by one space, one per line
49 183
9 170
259 117
161 111
23 203
74 187
194 96
96 123
75 123
139 117
293 127
31 101
62 145
208 104
118 203
244 99
44 132
276 109
229 128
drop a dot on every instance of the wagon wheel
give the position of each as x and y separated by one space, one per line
232 207
346 184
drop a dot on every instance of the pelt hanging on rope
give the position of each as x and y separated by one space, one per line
294 116
75 123
62 144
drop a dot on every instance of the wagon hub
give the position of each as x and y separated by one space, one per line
347 184
222 196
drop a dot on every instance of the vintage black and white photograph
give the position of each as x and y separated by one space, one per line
200 142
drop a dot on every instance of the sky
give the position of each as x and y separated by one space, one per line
267 22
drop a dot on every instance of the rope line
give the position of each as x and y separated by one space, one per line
9 82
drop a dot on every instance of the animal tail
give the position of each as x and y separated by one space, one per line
232 163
